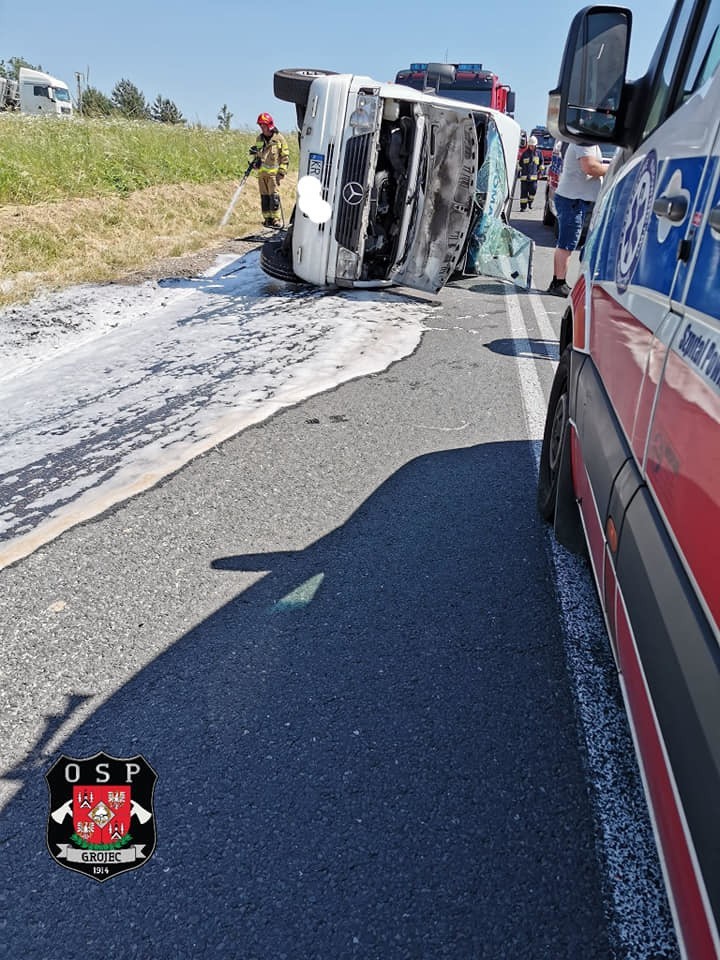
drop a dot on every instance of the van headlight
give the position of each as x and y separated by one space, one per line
347 264
363 119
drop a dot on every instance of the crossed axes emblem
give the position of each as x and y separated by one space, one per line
136 810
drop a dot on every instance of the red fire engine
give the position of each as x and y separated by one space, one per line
461 81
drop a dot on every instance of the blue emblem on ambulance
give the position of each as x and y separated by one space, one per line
636 221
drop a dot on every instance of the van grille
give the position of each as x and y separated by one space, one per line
355 167
329 164
327 173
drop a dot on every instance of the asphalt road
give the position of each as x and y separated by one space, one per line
338 640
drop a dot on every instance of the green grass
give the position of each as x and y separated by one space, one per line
53 159
91 200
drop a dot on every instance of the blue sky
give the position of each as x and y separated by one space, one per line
205 54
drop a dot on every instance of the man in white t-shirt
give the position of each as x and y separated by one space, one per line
577 190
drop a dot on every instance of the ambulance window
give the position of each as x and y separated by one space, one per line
660 95
706 55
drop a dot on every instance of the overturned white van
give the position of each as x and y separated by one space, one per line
397 186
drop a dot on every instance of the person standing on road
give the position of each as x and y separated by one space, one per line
270 157
530 166
577 190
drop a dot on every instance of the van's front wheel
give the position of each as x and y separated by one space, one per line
556 426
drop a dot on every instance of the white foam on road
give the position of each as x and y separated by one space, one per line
145 378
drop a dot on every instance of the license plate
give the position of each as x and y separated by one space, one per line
316 162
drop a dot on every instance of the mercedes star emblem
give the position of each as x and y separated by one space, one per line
353 193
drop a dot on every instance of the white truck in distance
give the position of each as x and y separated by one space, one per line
36 94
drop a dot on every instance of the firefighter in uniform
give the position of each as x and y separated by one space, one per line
530 166
270 157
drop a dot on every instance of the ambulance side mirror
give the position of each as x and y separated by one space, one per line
585 105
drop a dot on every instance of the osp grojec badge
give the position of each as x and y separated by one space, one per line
101 821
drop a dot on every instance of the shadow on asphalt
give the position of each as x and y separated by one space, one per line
525 347
370 752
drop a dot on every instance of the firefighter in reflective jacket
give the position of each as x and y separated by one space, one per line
270 157
530 166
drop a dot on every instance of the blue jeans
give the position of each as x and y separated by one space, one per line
571 215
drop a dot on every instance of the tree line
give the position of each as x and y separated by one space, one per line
126 100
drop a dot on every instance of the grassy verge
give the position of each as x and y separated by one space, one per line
87 201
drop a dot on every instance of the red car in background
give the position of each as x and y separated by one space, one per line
552 175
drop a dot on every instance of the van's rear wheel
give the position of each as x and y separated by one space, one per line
556 426
293 85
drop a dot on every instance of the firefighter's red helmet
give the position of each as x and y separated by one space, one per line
265 120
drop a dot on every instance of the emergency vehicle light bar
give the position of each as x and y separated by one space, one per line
465 67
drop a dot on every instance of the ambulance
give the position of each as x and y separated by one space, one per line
630 461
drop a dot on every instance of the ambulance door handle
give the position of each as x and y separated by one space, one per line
714 218
671 208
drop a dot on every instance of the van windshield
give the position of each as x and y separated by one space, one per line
62 94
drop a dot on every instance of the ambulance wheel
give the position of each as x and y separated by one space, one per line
276 260
293 85
556 426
